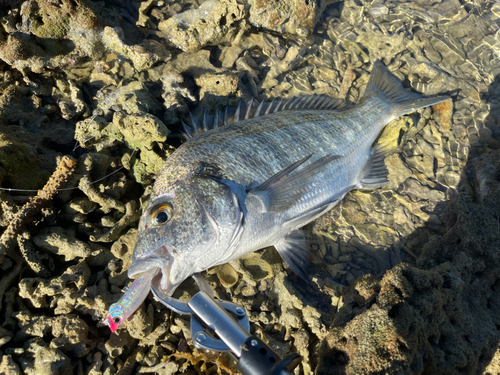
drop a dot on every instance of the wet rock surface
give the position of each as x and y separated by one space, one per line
402 279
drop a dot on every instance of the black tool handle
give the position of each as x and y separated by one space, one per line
259 359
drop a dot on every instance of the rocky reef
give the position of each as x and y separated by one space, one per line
403 279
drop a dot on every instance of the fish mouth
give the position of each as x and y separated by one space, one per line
161 259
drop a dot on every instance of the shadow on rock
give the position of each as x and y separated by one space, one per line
440 316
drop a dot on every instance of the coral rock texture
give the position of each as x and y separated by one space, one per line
214 22
287 16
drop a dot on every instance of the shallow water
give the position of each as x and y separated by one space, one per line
80 77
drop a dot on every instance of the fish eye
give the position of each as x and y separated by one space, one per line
161 214
116 320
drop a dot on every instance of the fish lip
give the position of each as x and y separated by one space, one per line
159 258
163 284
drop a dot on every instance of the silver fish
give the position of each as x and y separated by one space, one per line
271 169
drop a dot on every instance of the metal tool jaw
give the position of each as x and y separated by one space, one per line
205 310
228 322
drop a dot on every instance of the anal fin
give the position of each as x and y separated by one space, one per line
293 251
375 173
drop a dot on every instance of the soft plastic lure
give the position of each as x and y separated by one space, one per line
131 300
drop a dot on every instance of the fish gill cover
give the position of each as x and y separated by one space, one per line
402 279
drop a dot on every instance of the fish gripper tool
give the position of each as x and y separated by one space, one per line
228 331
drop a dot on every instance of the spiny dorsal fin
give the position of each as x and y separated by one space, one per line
253 109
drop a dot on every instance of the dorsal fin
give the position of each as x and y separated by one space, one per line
253 109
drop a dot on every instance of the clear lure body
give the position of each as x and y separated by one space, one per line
135 295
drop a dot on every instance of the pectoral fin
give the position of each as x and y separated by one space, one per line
292 249
281 191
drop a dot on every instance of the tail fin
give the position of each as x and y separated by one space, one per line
390 89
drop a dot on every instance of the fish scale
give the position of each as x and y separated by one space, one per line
277 146
266 172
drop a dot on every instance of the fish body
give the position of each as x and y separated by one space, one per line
250 184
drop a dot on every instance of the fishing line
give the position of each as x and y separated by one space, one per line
97 112
71 188
99 275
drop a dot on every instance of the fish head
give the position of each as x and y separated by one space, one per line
180 231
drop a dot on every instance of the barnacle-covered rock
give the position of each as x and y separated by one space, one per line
60 241
287 16
214 22
139 130
293 57
70 101
143 56
70 335
130 217
20 106
81 205
142 322
45 19
52 35
32 325
20 52
254 267
37 289
174 90
122 249
295 310
119 342
174 95
8 366
217 84
93 300
106 195
133 98
39 358
446 47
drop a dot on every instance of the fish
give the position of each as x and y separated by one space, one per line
134 296
250 177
